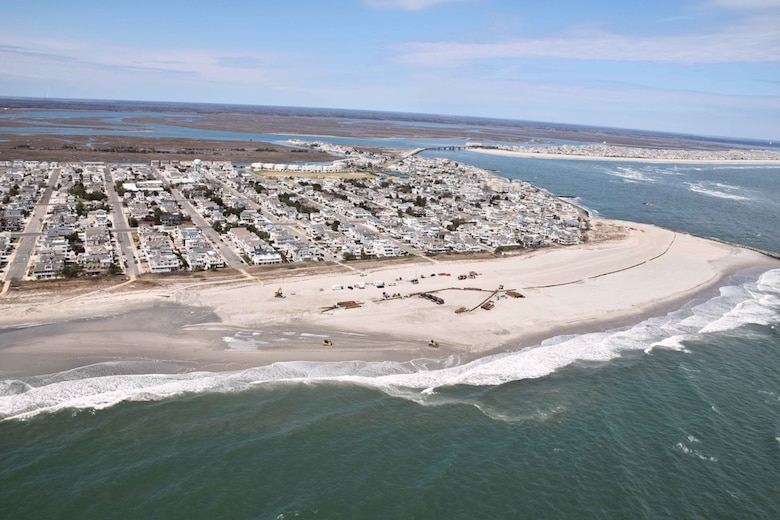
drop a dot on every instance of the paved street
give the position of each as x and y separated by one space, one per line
231 257
121 229
17 268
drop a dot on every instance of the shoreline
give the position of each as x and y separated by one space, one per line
562 156
184 327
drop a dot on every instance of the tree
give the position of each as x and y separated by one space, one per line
74 242
77 190
95 195
114 269
456 222
335 225
71 270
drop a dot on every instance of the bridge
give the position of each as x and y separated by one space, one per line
453 148
416 151
445 148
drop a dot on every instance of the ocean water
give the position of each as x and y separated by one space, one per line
737 203
677 416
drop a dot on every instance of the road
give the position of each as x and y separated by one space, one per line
231 257
17 268
331 256
272 220
121 230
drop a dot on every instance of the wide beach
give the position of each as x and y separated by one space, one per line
638 271
607 158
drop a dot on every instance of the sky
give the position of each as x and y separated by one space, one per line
704 67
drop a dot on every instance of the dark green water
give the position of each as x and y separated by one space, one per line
664 434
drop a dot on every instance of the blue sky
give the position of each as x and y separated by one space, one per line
708 67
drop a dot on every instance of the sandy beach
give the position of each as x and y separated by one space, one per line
229 325
559 156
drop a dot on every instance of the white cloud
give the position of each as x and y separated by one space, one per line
406 5
754 40
28 57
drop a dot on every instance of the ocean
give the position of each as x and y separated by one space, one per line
677 416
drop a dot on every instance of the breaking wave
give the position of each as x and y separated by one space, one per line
107 384
628 174
718 190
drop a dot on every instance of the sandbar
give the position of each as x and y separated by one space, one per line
584 157
641 271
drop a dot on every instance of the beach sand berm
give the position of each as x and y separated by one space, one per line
643 271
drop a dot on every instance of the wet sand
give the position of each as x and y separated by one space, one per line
185 326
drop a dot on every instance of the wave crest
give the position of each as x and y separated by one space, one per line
100 386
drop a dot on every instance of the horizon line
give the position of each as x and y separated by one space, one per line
665 133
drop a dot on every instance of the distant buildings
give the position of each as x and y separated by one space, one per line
424 206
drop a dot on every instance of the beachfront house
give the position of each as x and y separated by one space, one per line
48 268
385 248
159 252
203 257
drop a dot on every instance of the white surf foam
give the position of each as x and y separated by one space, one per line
99 386
672 170
698 187
694 453
745 167
628 174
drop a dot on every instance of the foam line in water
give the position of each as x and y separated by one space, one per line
698 187
628 174
103 385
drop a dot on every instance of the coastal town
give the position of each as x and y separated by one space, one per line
70 220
